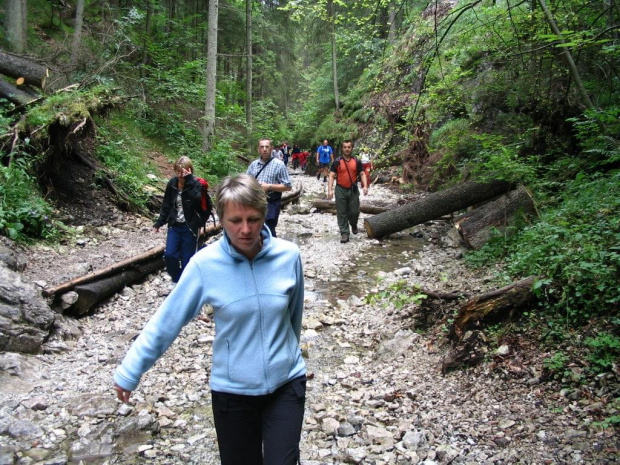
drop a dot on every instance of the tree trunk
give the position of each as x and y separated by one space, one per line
147 37
493 306
292 196
77 34
568 57
115 268
16 24
392 22
92 293
332 31
434 206
13 94
20 67
209 118
477 226
330 205
248 72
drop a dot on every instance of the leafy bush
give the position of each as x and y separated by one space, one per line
597 131
121 149
23 212
398 294
605 351
575 247
557 364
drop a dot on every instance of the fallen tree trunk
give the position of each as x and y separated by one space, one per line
433 206
493 306
90 294
118 267
100 274
13 94
292 196
330 205
16 66
477 226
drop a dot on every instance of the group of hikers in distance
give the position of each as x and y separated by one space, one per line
254 282
298 157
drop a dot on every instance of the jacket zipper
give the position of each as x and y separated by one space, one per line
261 331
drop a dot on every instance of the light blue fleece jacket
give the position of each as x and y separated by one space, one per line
258 307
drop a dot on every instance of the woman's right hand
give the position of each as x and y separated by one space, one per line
122 394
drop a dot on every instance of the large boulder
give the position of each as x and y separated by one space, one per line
25 317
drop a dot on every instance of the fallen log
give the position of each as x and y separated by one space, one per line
293 195
433 206
13 94
156 252
493 306
477 226
15 66
330 205
90 294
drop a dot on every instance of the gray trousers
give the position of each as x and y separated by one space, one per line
347 207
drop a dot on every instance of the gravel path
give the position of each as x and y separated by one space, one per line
377 395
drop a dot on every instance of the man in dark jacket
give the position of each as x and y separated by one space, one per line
181 210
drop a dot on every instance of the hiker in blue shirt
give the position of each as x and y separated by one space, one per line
255 284
324 159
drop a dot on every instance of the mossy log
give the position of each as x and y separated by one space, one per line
432 207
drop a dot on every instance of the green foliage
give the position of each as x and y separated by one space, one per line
612 421
497 160
121 148
23 212
183 80
605 351
221 161
557 365
575 247
269 122
597 131
398 294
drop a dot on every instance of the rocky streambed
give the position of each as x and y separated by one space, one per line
377 394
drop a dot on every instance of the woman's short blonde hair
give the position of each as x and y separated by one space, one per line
243 189
183 163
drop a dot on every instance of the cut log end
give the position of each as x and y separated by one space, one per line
368 229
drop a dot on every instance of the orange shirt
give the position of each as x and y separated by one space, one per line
347 172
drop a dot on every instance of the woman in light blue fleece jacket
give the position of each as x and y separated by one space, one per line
255 284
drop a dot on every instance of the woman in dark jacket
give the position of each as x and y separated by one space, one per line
181 211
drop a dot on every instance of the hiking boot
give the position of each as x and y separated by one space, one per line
344 238
354 229
318 176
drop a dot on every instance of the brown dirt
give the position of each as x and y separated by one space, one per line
101 233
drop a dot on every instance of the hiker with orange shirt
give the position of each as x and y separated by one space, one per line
346 170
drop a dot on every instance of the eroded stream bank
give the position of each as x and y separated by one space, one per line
377 395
